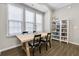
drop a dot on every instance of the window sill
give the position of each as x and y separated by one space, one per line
11 35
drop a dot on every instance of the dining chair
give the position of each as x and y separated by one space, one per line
36 43
25 32
47 40
34 31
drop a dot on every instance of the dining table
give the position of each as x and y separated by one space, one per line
25 38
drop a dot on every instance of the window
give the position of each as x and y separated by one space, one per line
23 19
29 21
15 18
39 20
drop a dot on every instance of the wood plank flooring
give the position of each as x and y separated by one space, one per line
56 50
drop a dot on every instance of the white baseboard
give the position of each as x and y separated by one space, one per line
9 48
74 43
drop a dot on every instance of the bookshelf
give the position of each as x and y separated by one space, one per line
60 30
64 36
56 29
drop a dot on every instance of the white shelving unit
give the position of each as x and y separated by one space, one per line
64 31
56 29
60 30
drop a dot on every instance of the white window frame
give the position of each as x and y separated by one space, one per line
31 10
13 20
23 22
42 20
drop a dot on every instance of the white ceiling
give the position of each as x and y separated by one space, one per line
55 6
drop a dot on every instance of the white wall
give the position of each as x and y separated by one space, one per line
8 42
71 14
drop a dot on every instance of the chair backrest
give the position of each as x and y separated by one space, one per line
48 36
37 38
34 31
25 32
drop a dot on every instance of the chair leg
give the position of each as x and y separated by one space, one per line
46 46
33 52
50 44
40 49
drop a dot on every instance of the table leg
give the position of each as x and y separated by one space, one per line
48 44
27 49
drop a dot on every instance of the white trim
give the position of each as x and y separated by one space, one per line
74 43
9 48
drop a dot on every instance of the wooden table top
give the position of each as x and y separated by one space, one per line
28 37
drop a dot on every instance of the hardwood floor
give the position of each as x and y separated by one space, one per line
56 50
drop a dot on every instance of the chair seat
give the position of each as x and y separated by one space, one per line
44 40
35 44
